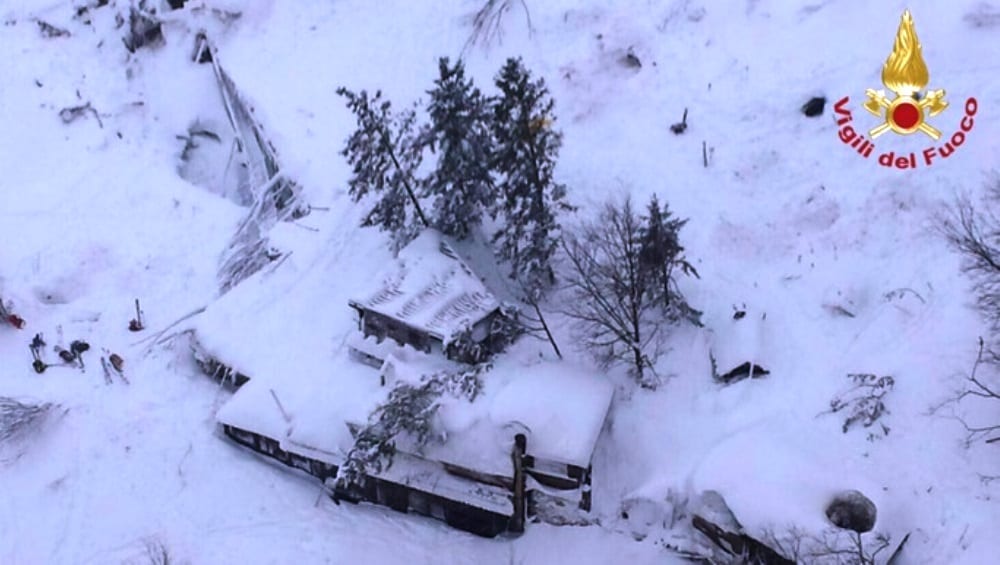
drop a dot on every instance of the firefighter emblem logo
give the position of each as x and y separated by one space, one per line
905 110
905 74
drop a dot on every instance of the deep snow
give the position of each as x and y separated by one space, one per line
785 219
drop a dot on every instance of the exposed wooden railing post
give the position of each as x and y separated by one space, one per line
520 446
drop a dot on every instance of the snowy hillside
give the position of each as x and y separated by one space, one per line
835 260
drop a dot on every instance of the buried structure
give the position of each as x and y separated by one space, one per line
511 439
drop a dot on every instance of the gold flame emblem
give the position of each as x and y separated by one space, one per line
905 73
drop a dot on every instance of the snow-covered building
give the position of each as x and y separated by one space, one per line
525 438
431 300
466 476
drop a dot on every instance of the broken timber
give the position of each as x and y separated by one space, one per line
271 195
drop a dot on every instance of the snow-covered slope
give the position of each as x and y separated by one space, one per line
785 219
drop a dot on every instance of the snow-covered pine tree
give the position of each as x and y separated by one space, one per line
660 255
459 132
384 155
525 151
408 410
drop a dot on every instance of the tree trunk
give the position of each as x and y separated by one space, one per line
545 327
406 183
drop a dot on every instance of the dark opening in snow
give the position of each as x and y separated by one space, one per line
814 107
748 369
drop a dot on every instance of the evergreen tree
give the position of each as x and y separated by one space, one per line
459 133
384 154
525 152
407 414
660 255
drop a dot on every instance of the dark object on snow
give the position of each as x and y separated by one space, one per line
864 401
50 31
748 369
176 4
77 347
135 324
202 50
144 29
751 551
853 511
894 558
814 107
37 346
66 356
739 314
117 362
107 372
9 318
71 113
681 126
630 60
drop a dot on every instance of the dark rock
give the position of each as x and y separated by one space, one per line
853 511
814 107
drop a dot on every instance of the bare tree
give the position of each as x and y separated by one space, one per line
487 23
975 233
157 552
976 387
617 313
832 546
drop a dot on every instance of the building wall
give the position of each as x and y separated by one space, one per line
379 491
382 327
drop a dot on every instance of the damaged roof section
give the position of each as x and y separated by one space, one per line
271 195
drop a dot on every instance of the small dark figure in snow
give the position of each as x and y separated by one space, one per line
8 317
135 324
77 347
37 345
681 126
66 356
117 362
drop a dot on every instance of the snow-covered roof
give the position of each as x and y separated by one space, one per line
560 408
431 289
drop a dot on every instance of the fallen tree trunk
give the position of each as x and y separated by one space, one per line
750 550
